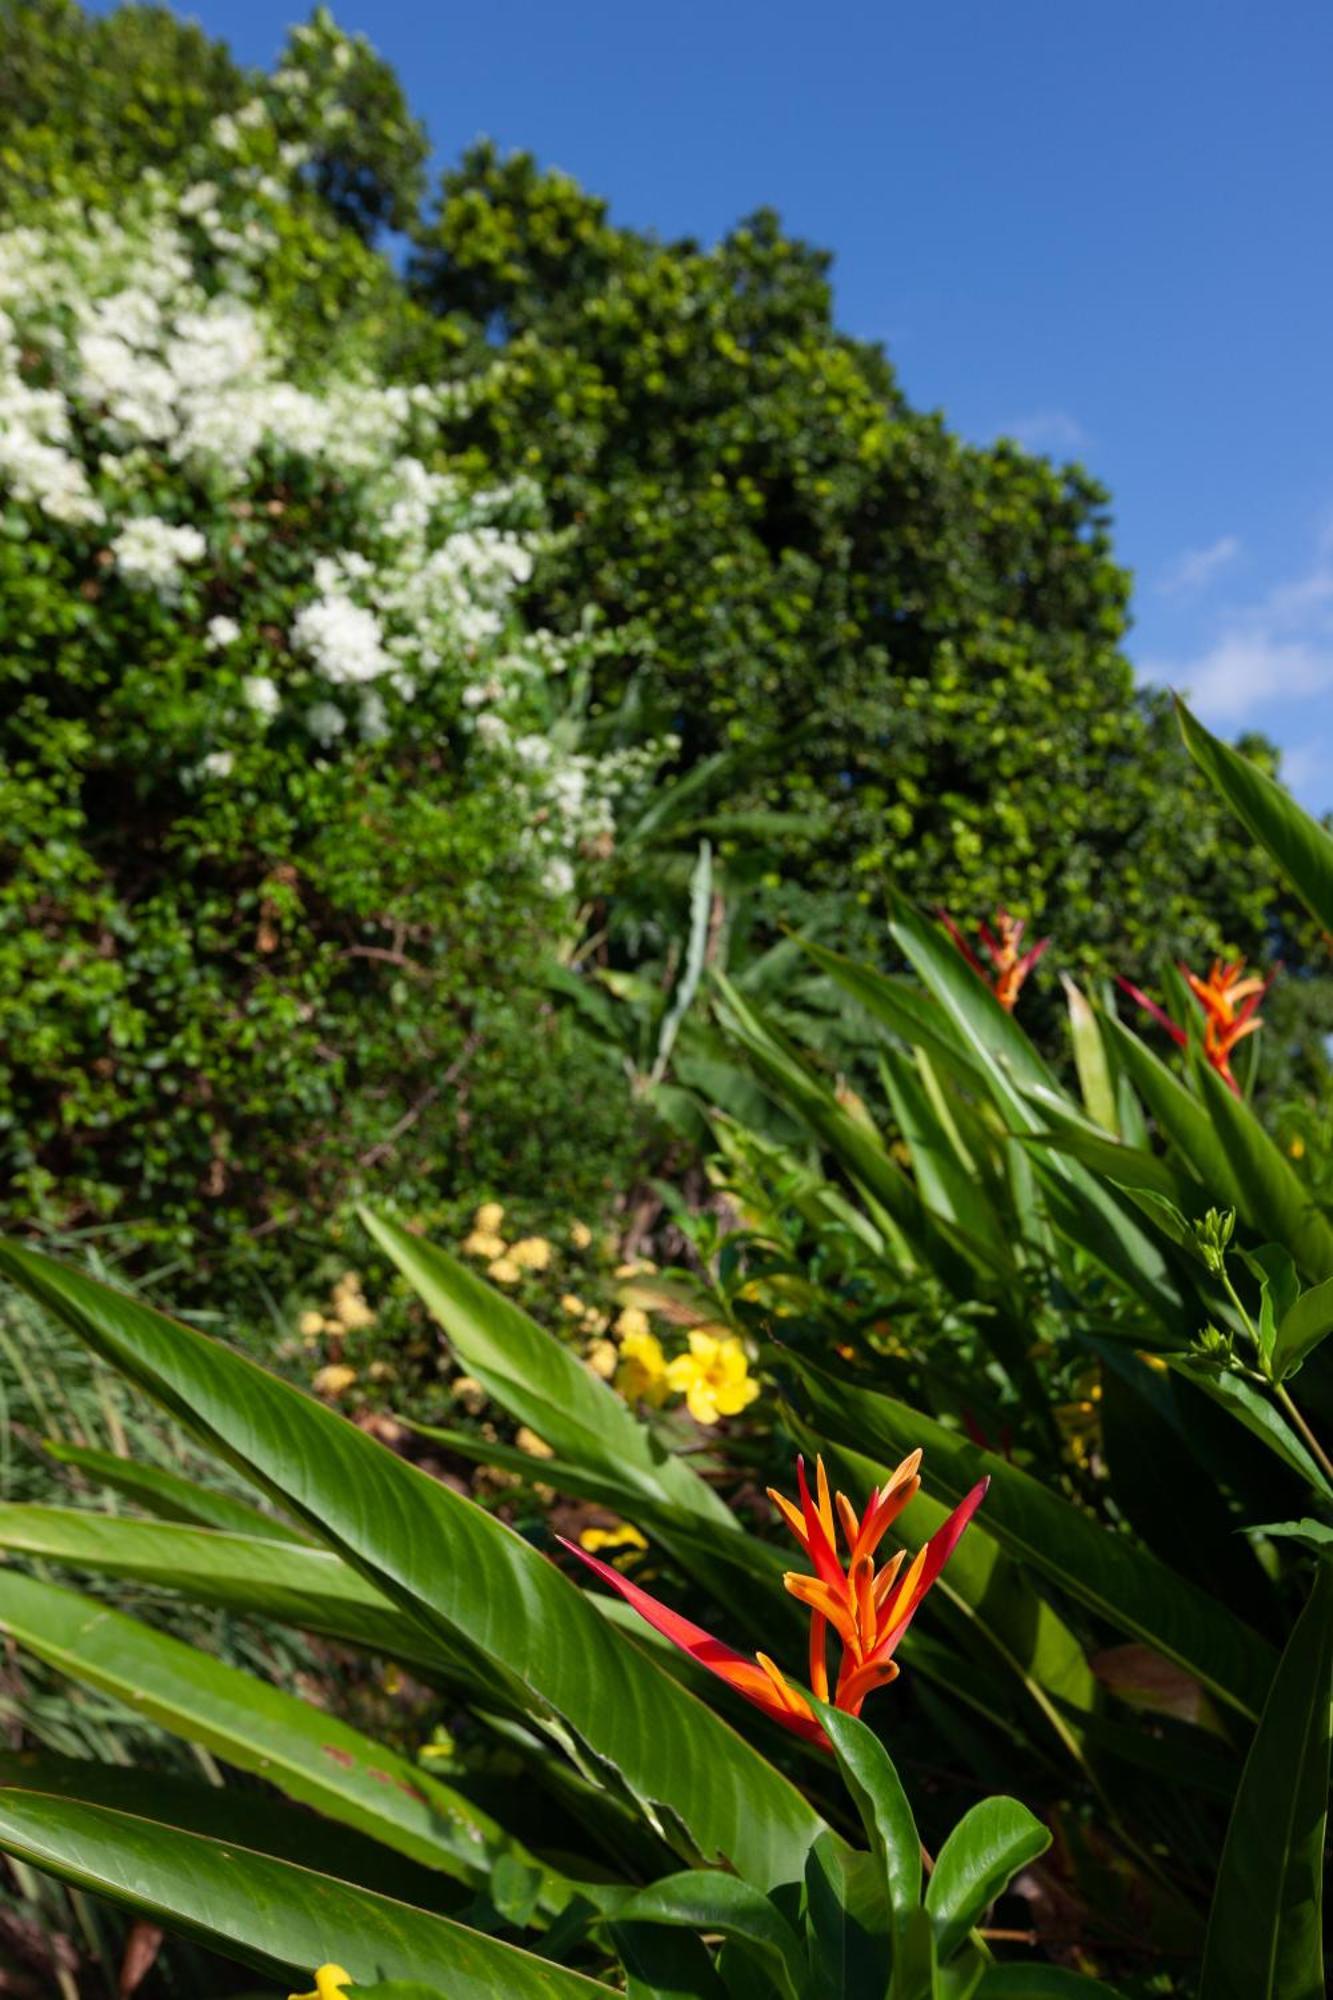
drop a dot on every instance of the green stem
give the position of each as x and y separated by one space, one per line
1298 1420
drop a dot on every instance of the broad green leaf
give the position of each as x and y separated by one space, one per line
848 1921
877 1793
1271 1196
541 1381
907 1012
268 1914
169 1495
1301 847
1265 1930
1094 1072
709 1900
309 1755
244 1815
312 1589
1102 1570
976 1864
1251 1408
1301 1329
948 1186
916 1961
461 1573
1179 1115
990 1035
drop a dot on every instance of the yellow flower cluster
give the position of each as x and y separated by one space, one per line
505 1262
329 1983
713 1375
348 1312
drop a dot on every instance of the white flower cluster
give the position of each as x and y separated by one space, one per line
141 379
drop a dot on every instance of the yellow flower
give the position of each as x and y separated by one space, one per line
571 1303
641 1376
594 1321
633 1320
353 1313
638 1267
714 1377
580 1235
531 1253
504 1271
329 1983
603 1357
310 1325
483 1243
333 1380
489 1217
467 1390
534 1446
625 1539
1297 1148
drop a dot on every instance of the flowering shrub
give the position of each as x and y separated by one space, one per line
286 779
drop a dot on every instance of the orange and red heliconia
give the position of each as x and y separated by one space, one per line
867 1606
1230 998
1009 967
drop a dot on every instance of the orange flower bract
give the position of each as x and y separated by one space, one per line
867 1606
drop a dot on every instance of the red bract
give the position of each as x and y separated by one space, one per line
1008 970
868 1609
1230 1002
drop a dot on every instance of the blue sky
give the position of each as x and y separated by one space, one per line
1101 230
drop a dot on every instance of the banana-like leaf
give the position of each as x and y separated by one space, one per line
710 1901
1301 847
461 1573
235 1813
170 1495
976 1863
1252 1409
1265 1933
309 1588
268 1914
1180 1116
1094 1072
1121 1583
1272 1195
310 1756
542 1382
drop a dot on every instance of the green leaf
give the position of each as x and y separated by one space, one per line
309 1588
849 1922
1118 1581
1314 1533
976 1864
1299 845
915 1960
310 1756
268 1914
1301 1329
1251 1408
245 1815
1179 1115
1271 1195
710 1900
1094 1072
170 1496
462 1574
877 1793
541 1381
1265 1929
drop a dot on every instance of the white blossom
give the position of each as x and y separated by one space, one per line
221 631
344 639
218 764
325 722
150 552
261 695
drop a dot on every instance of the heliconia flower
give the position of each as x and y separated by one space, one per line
868 1607
1230 1001
1008 968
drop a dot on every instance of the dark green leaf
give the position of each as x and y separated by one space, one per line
976 1864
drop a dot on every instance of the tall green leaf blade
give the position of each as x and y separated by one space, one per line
877 1793
169 1495
310 1756
1122 1583
1301 847
1271 1194
268 1914
309 1588
1266 1928
461 1573
1302 1328
541 1381
1094 1072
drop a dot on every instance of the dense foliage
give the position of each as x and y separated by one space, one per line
1115 1536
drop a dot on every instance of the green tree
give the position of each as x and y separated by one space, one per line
911 643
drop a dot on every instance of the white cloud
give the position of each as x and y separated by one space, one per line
1198 567
1047 431
1278 649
